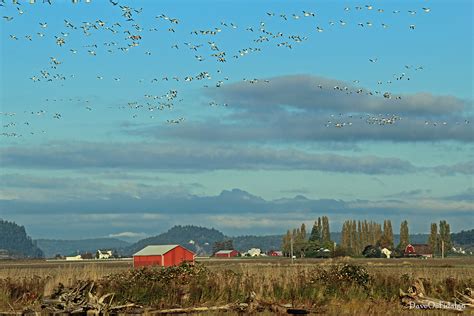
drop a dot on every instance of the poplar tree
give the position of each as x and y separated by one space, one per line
404 235
444 236
325 233
433 240
387 237
353 237
286 243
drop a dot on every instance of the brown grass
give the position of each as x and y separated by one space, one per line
316 284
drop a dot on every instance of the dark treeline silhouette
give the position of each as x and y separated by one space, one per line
16 242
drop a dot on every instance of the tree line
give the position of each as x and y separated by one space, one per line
317 244
357 236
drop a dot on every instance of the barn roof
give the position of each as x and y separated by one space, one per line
225 251
422 249
155 250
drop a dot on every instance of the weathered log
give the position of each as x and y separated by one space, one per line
81 299
190 310
416 299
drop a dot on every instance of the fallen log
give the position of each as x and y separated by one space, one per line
242 307
251 306
415 298
82 299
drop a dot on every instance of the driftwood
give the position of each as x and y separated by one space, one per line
415 298
84 298
252 305
228 307
81 299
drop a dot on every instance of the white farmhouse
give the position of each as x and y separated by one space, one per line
254 252
104 254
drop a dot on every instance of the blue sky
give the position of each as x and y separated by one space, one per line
103 141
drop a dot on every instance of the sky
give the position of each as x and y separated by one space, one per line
125 118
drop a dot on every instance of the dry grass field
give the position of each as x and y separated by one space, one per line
324 286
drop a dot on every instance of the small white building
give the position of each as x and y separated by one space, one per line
386 252
254 252
73 258
104 254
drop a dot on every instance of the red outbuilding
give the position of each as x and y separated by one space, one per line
162 255
226 253
275 253
418 250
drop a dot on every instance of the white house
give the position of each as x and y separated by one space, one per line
386 253
104 254
254 252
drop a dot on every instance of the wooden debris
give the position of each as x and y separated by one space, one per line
415 298
81 298
251 306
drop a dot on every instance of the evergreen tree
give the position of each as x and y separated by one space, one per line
315 235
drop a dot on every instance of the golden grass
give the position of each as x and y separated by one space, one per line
272 280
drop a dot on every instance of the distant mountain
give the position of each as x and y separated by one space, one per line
52 247
16 242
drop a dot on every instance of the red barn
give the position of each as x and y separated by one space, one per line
418 250
226 253
162 255
275 253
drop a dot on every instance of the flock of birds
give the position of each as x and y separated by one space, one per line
128 34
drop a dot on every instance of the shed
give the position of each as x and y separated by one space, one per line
418 250
275 253
163 255
226 253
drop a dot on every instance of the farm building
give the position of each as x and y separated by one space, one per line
418 250
254 252
104 254
162 255
226 254
275 253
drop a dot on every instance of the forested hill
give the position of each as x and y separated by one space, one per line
197 239
464 237
14 239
